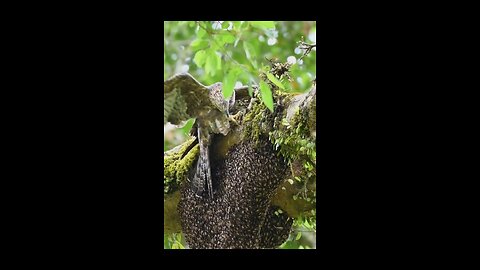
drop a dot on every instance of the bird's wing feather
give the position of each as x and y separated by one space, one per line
184 98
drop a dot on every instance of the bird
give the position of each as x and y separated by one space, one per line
186 98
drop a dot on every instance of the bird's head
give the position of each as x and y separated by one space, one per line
216 86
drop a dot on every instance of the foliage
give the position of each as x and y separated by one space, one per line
238 53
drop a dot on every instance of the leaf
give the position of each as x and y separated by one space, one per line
219 61
249 50
165 241
251 53
188 126
299 234
236 42
201 33
213 62
306 224
210 64
274 80
263 24
199 44
219 42
229 38
229 84
237 24
200 58
266 95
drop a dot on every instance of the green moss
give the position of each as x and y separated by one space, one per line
293 139
259 120
176 168
290 131
171 219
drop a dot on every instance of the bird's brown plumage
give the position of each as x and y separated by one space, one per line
185 98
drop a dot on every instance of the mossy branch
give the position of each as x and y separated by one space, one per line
291 129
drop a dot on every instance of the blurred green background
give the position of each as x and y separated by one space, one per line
235 53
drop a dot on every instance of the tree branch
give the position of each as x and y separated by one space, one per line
291 131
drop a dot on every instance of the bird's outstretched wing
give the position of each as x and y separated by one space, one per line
184 98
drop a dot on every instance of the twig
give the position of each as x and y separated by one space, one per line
307 47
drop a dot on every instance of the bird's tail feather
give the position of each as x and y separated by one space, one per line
202 176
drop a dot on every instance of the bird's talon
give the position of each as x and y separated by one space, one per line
234 117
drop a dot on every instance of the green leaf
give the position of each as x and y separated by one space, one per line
266 95
237 24
229 84
201 33
263 24
219 42
213 62
188 126
218 59
299 234
244 26
199 44
274 80
216 46
210 63
249 51
200 58
165 241
306 224
228 38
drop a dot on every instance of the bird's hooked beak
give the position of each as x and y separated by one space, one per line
217 86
